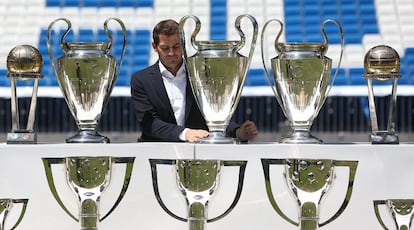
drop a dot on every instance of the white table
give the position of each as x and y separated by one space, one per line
384 172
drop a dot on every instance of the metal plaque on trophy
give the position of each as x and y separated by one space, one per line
198 181
24 63
217 70
6 206
401 210
301 80
309 180
382 63
86 74
88 178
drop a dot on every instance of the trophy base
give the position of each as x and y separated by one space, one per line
217 138
384 137
22 137
88 136
300 137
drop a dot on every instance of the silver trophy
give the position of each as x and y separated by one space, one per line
6 206
198 181
301 80
382 63
217 71
309 180
24 63
401 210
86 74
88 177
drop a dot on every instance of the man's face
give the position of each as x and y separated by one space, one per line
169 51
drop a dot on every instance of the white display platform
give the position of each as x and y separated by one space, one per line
384 172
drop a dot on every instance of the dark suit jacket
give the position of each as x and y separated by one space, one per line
153 110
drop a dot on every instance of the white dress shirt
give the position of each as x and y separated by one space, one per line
176 90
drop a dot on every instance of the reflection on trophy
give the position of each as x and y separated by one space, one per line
382 63
401 210
301 80
217 71
25 63
88 177
309 180
86 75
198 181
6 206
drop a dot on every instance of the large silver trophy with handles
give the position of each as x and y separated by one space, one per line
301 80
309 180
198 181
86 74
217 71
6 206
88 178
401 210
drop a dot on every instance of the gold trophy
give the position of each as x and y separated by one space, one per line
382 63
309 180
24 63
6 206
88 177
198 181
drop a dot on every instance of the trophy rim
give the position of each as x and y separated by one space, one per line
382 76
215 45
302 46
87 45
25 75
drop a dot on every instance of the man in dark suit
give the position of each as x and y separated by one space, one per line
163 100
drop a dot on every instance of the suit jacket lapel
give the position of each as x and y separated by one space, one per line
159 89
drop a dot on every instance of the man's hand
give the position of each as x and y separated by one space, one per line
247 131
194 135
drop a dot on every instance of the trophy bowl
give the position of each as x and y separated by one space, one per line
301 80
217 71
86 75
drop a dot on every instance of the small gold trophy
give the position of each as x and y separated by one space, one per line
382 63
25 63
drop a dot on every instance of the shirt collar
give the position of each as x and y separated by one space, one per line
181 73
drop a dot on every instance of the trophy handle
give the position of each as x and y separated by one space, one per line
264 57
108 33
377 214
62 41
22 212
326 42
242 170
193 35
242 35
352 165
47 162
154 163
129 161
265 165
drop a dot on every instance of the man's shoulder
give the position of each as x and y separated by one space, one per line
148 70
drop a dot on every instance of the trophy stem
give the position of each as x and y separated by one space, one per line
87 136
309 216
217 137
197 217
300 135
89 214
